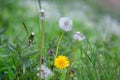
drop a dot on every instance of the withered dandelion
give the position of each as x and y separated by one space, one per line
78 36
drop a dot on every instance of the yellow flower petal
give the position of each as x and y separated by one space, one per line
61 62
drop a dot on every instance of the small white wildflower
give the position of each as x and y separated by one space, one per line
65 24
31 38
45 72
78 36
32 33
42 14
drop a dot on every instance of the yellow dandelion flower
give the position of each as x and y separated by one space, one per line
61 62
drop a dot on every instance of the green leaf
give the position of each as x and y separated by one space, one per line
29 75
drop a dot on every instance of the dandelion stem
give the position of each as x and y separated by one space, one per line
59 43
71 60
39 2
41 45
42 39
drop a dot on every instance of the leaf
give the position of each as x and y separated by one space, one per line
29 75
3 30
29 53
25 28
11 47
19 48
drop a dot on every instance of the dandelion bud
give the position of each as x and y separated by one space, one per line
72 71
31 38
42 60
42 13
33 33
50 52
65 24
78 36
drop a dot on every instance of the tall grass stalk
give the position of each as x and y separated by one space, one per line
71 59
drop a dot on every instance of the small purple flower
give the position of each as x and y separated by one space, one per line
72 71
50 52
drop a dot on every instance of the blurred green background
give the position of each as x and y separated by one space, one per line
98 20
92 13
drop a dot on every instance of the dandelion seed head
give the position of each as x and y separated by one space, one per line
45 72
78 36
42 13
65 24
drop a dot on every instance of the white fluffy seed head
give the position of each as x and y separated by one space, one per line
78 36
32 33
42 13
45 72
65 24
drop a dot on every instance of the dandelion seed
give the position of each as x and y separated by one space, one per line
78 36
61 62
65 24
45 72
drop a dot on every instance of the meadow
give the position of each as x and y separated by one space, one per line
35 47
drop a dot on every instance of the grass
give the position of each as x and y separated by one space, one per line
96 58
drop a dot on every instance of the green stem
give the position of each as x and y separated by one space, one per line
39 2
41 45
71 60
23 68
59 43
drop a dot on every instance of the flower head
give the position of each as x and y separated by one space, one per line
78 36
42 13
42 60
31 38
61 62
50 52
65 24
45 72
